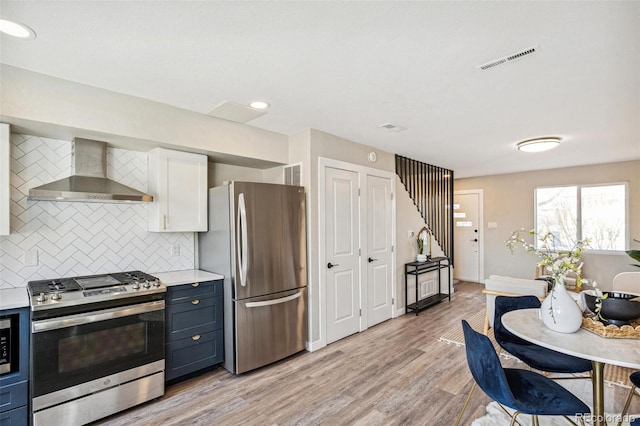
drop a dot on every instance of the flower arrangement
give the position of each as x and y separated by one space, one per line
558 262
600 296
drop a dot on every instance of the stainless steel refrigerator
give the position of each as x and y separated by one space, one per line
257 240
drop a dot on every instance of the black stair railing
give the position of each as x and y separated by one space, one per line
431 189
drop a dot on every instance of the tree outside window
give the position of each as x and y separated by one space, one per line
572 213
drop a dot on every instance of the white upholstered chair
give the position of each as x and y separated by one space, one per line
497 285
627 282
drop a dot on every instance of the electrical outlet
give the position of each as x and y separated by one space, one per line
175 249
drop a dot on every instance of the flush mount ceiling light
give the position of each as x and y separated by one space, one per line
16 29
259 105
539 144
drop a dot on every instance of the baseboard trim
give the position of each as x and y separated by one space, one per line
315 345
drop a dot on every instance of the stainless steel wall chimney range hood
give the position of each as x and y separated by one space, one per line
89 182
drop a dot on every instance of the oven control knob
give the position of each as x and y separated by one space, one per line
155 283
146 284
56 296
41 297
135 285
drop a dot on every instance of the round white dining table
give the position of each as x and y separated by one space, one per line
526 324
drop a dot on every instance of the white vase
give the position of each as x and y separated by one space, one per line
559 311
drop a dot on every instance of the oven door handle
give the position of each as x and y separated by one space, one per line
89 317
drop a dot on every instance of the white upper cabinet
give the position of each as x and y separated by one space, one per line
5 166
178 183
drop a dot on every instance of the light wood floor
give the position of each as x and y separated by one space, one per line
395 373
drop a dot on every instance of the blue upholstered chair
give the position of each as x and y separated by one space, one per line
535 356
522 390
635 383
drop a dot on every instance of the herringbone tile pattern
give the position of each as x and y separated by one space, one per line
80 238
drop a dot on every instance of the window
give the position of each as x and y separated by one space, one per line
597 212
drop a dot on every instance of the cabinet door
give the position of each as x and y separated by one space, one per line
193 353
193 316
179 293
178 183
17 417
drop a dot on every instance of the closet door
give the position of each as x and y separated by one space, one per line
342 239
379 250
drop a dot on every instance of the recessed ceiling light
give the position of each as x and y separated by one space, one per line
259 105
16 29
539 144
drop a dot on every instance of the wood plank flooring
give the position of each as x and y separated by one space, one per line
395 373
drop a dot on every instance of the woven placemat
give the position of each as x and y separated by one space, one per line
613 375
612 331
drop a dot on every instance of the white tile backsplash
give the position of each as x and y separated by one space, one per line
73 238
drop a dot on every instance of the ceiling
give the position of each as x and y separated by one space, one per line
348 67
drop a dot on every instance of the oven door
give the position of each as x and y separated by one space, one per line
75 349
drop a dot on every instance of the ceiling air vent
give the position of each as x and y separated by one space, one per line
513 57
392 127
292 175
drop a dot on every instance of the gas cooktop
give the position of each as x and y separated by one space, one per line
60 292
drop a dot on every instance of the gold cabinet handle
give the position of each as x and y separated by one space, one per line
196 337
195 284
195 302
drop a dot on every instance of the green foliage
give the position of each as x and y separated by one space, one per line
634 254
558 262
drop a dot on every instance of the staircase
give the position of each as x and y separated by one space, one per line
431 189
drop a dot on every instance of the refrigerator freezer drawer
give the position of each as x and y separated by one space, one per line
270 328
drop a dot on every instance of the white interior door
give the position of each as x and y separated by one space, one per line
379 282
467 227
342 238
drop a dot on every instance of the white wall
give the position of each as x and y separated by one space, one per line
508 201
73 238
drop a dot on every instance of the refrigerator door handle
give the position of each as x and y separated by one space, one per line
243 240
272 302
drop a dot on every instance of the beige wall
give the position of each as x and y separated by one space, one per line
409 219
310 145
52 107
508 200
307 147
219 173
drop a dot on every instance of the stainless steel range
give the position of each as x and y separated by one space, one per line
97 345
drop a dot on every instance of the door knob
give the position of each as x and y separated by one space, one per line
330 265
372 260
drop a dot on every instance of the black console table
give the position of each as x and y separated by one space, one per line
419 268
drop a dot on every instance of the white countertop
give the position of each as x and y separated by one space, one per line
12 298
186 277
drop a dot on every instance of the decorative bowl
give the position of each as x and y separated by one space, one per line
617 309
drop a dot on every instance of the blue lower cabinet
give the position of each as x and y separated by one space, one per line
13 396
14 385
193 328
16 417
194 353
